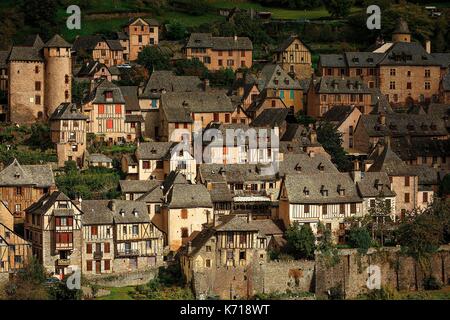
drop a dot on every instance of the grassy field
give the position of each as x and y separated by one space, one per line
123 293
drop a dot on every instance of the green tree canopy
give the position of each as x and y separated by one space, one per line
301 241
331 140
152 58
338 8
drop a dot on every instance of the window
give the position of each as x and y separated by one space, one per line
107 248
118 109
242 238
89 265
157 208
206 60
36 69
208 248
409 85
425 197
241 255
94 230
230 53
342 208
407 181
220 53
216 117
66 79
124 230
407 197
353 208
427 85
273 104
282 94
135 230
306 208
427 73
324 209
392 72
37 99
18 191
392 85
243 53
227 118
89 248
18 208
37 86
230 62
184 232
140 38
101 109
107 265
146 164
220 62
109 124
184 214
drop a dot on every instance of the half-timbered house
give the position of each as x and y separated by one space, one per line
14 251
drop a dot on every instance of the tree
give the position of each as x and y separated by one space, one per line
301 241
338 8
331 140
191 67
326 246
176 30
380 214
152 58
41 15
222 78
40 137
360 238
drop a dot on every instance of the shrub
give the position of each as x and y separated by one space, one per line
431 283
360 238
336 292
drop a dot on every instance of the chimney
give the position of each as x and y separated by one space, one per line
428 46
311 154
189 247
249 216
112 205
356 176
235 37
80 200
313 136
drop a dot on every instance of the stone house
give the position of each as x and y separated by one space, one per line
404 179
159 83
236 243
99 160
328 92
323 197
138 33
23 185
294 56
118 236
93 70
186 208
220 52
14 251
155 160
199 109
98 48
68 132
53 226
134 189
39 79
113 114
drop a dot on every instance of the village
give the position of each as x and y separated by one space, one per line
123 165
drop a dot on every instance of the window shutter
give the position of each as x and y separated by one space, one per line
107 265
89 248
89 265
107 247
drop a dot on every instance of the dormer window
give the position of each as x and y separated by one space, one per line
323 191
108 95
298 167
286 81
17 175
122 212
341 190
321 167
153 151
306 191
378 185
275 81
135 212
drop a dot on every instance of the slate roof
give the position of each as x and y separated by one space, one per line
3 59
234 173
114 211
271 118
446 82
25 54
46 202
134 118
88 68
167 81
298 186
178 106
331 84
16 174
273 76
67 111
287 42
33 40
388 161
57 42
363 59
130 94
442 58
114 45
412 148
408 53
206 40
149 21
367 187
138 186
401 124
338 114
304 164
156 195
98 94
155 150
97 157
189 196
88 42
220 192
298 133
332 60
198 240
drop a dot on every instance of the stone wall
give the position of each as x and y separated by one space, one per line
397 270
124 279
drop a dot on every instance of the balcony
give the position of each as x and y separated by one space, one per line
128 253
63 262
63 246
98 255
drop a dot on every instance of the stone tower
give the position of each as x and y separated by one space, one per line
401 32
58 70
